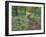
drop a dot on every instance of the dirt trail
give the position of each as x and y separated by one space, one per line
34 25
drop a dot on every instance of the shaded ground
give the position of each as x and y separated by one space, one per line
34 25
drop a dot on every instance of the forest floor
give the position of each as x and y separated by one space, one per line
31 25
34 25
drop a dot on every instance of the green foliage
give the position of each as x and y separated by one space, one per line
36 14
19 19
